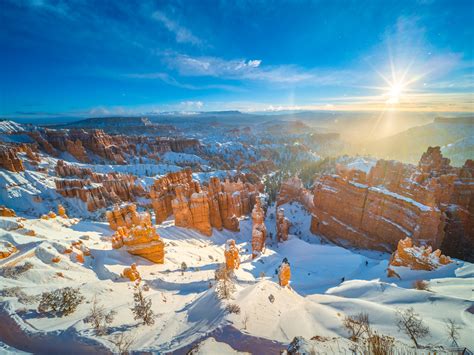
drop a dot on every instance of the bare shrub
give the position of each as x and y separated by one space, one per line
245 320
142 308
233 308
122 343
357 325
19 294
60 302
99 318
410 322
452 329
421 285
13 272
184 267
224 287
380 344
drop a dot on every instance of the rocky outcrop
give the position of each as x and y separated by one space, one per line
7 212
430 203
94 195
417 258
259 231
231 253
284 273
9 159
131 273
282 225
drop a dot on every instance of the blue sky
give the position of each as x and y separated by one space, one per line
123 57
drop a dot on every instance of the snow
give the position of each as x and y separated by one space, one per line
211 346
383 190
10 127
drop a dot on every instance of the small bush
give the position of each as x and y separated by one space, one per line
61 302
224 287
13 272
271 298
421 285
233 308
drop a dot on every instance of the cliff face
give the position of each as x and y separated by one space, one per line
431 203
293 190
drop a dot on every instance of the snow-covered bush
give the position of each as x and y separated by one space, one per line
19 294
142 308
61 302
99 318
13 272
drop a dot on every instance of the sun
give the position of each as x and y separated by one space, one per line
395 92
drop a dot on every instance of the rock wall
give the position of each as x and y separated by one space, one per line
430 203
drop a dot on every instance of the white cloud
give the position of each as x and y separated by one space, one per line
182 34
190 105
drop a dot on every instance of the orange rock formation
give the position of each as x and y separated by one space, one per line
126 215
62 211
417 258
131 273
259 231
231 253
142 241
284 273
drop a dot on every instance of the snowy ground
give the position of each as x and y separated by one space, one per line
185 302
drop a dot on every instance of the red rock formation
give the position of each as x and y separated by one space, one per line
131 273
417 258
7 212
231 253
282 226
430 203
93 195
284 273
77 150
259 231
9 159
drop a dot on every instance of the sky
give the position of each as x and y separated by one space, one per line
93 58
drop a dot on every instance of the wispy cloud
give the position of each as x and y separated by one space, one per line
181 33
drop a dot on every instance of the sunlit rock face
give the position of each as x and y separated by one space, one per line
282 225
430 203
284 273
199 206
231 253
417 257
9 159
259 231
